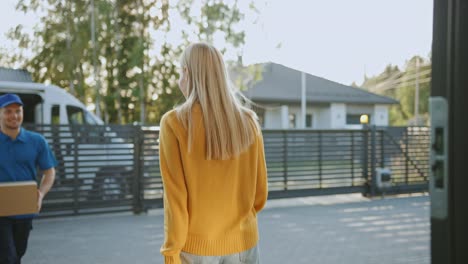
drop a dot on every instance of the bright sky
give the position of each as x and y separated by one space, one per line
336 39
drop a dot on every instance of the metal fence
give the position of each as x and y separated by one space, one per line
311 162
116 168
405 151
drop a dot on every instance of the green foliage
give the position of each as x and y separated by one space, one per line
136 72
244 77
401 85
216 17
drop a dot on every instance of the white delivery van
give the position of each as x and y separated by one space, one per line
93 156
49 104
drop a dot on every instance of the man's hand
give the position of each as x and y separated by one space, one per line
40 196
46 183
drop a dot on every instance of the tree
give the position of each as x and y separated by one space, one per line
129 66
138 73
61 45
401 85
216 22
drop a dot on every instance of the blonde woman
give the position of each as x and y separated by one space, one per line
213 168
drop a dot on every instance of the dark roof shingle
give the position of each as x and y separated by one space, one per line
282 84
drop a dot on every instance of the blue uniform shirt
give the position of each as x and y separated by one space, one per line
20 157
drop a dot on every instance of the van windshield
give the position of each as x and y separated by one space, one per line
78 116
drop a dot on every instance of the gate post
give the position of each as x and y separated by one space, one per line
371 186
138 139
373 161
365 159
285 160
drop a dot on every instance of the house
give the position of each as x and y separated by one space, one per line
329 105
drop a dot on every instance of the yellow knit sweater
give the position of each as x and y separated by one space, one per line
210 206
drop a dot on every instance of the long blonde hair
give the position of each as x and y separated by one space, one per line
230 128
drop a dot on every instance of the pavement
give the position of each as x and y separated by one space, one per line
327 230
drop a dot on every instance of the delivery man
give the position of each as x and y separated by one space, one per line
21 152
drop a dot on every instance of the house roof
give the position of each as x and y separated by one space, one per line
13 75
281 84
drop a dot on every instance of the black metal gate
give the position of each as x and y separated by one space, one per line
116 168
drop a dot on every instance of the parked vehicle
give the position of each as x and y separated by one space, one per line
87 150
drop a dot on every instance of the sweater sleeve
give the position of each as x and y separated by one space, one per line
175 194
262 181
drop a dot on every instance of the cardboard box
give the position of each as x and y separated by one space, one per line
17 198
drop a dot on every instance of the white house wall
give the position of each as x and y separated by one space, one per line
322 117
272 118
338 116
296 110
278 117
284 116
381 115
325 117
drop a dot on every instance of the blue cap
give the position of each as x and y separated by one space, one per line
8 99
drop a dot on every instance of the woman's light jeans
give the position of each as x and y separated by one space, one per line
250 256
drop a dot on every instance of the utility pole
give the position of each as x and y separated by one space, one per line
95 64
416 96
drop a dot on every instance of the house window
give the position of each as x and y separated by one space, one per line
355 119
292 121
309 120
